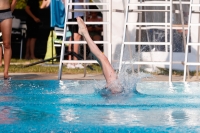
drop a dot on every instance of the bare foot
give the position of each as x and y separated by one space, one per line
82 27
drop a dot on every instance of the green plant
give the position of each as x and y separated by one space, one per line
21 4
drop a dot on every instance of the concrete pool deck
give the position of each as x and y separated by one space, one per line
44 76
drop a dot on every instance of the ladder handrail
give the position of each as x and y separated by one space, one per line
68 3
188 42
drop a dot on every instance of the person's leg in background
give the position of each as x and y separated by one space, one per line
6 27
30 47
76 37
32 33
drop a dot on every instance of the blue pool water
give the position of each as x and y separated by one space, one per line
78 106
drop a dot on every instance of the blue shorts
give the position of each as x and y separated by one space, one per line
5 14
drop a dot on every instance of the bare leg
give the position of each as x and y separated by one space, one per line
27 56
108 71
77 37
6 27
32 48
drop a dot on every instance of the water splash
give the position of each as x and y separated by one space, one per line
127 79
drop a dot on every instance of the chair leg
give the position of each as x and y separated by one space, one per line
21 48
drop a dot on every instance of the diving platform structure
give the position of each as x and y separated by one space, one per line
158 30
149 33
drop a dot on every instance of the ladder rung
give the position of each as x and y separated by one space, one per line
195 11
182 2
84 42
194 4
145 62
87 23
131 23
193 44
149 10
147 43
193 63
122 11
198 24
90 3
160 27
148 4
88 10
174 2
79 61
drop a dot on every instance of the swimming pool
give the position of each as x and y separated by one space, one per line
78 106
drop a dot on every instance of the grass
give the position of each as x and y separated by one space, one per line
19 66
165 71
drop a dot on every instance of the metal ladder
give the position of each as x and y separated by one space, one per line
186 63
106 9
166 26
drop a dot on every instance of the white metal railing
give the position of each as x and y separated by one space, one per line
166 25
107 24
186 63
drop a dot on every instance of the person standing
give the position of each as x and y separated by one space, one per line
6 9
32 10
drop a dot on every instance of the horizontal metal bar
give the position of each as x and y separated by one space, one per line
145 62
195 11
197 24
193 44
195 4
84 42
143 23
160 27
79 61
149 10
164 2
149 4
182 2
87 10
193 63
89 23
147 43
90 3
122 11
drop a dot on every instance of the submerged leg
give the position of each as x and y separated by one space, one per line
108 70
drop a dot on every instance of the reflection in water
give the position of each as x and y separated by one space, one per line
6 112
68 115
5 87
6 115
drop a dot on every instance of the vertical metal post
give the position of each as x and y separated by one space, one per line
139 35
124 34
171 42
188 39
63 44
